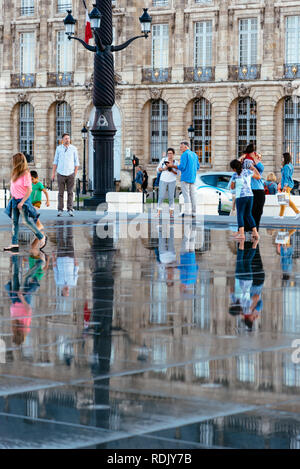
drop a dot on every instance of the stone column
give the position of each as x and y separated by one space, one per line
221 42
267 22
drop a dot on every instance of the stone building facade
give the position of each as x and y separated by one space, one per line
229 67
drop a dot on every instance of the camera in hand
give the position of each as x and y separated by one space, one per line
166 162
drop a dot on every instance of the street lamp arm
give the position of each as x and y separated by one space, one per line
98 41
123 46
91 48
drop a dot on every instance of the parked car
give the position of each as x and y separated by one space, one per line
218 182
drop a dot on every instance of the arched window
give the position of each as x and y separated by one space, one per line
63 120
202 126
291 142
158 129
246 124
26 129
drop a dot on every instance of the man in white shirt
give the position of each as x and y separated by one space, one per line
66 164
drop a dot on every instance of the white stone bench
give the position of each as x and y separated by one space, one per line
53 199
126 202
271 207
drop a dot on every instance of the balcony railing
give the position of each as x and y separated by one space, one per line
291 71
22 80
199 74
243 72
156 75
27 11
63 7
60 79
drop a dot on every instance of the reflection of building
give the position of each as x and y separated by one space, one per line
166 326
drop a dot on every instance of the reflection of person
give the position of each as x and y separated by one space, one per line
245 296
20 295
66 163
286 250
188 266
166 257
287 183
65 264
167 181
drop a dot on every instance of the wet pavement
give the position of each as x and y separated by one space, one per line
170 337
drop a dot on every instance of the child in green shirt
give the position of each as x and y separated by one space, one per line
36 195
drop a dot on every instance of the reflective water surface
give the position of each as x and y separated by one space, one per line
180 339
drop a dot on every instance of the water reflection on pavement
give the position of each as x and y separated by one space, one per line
180 339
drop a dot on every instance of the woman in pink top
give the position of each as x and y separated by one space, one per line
20 189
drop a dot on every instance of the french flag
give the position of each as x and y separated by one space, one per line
88 29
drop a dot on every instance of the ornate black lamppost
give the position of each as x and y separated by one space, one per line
103 129
84 133
191 132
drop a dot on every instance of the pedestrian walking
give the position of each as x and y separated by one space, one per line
189 164
167 181
36 195
270 184
257 185
241 182
66 164
20 203
188 264
287 184
139 179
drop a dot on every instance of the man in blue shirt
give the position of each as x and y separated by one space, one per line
189 164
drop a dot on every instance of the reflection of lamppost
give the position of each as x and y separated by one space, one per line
191 132
84 132
103 129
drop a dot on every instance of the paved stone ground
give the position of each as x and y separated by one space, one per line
130 341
